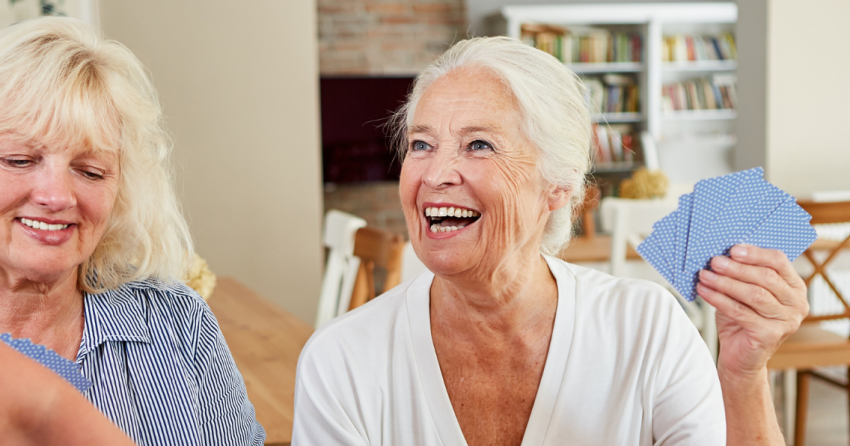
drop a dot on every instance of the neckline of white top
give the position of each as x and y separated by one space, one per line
428 367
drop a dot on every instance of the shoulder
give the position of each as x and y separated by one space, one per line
171 299
172 314
638 314
599 291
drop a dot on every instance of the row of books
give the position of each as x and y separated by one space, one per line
588 46
717 93
613 93
686 48
613 143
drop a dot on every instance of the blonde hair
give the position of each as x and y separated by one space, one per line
555 116
63 85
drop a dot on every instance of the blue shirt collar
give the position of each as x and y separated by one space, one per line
114 315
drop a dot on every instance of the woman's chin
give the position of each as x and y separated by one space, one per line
446 264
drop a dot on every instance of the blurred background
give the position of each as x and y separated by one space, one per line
277 110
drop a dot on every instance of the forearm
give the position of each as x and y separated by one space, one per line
40 408
750 416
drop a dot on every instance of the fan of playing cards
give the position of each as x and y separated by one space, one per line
722 212
50 359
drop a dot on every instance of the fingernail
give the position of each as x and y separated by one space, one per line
707 275
739 251
721 262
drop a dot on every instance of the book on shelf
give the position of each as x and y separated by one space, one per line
613 144
715 93
612 93
688 48
587 45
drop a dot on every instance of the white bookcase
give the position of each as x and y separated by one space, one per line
690 145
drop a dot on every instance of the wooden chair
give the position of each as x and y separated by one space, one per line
338 235
812 347
375 248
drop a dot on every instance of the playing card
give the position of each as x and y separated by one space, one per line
786 229
711 197
650 249
683 220
664 231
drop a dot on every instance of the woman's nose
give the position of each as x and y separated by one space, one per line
55 191
442 170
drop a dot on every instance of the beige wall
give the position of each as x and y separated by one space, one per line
808 95
239 85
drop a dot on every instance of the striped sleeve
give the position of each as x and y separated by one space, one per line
227 416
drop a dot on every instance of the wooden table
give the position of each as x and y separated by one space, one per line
265 342
593 249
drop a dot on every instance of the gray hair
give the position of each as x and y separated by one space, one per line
62 84
552 107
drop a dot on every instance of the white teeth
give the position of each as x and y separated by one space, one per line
42 225
450 212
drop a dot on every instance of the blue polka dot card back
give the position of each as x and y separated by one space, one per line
721 212
63 367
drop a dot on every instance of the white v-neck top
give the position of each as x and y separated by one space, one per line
625 367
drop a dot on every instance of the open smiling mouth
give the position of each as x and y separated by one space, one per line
447 219
35 224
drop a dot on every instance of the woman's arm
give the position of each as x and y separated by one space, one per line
760 301
39 408
227 416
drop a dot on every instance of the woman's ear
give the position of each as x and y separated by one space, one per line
559 197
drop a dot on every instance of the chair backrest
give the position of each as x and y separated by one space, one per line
827 213
375 248
341 267
629 222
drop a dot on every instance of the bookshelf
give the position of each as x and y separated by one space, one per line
683 45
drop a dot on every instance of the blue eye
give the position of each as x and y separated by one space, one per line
418 146
480 145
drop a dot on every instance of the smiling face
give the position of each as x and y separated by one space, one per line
54 206
467 151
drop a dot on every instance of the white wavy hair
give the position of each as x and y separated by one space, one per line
62 84
553 110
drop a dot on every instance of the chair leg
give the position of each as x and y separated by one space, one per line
848 385
803 380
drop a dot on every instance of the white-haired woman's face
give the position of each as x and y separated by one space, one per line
54 206
467 152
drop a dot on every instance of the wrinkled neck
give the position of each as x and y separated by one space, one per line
508 297
36 310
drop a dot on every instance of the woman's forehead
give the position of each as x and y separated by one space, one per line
474 99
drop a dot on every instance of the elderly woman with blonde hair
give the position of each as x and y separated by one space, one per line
503 343
92 239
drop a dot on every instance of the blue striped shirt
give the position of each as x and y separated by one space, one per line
160 369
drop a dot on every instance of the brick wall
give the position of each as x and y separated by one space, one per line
375 37
377 203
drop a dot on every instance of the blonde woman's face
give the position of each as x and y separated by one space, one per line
467 151
54 206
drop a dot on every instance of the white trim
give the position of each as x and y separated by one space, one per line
624 13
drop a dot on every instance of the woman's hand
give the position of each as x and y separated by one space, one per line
760 301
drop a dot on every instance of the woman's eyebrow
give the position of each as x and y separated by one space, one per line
420 129
479 129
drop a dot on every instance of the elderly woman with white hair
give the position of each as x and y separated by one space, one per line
92 240
502 343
